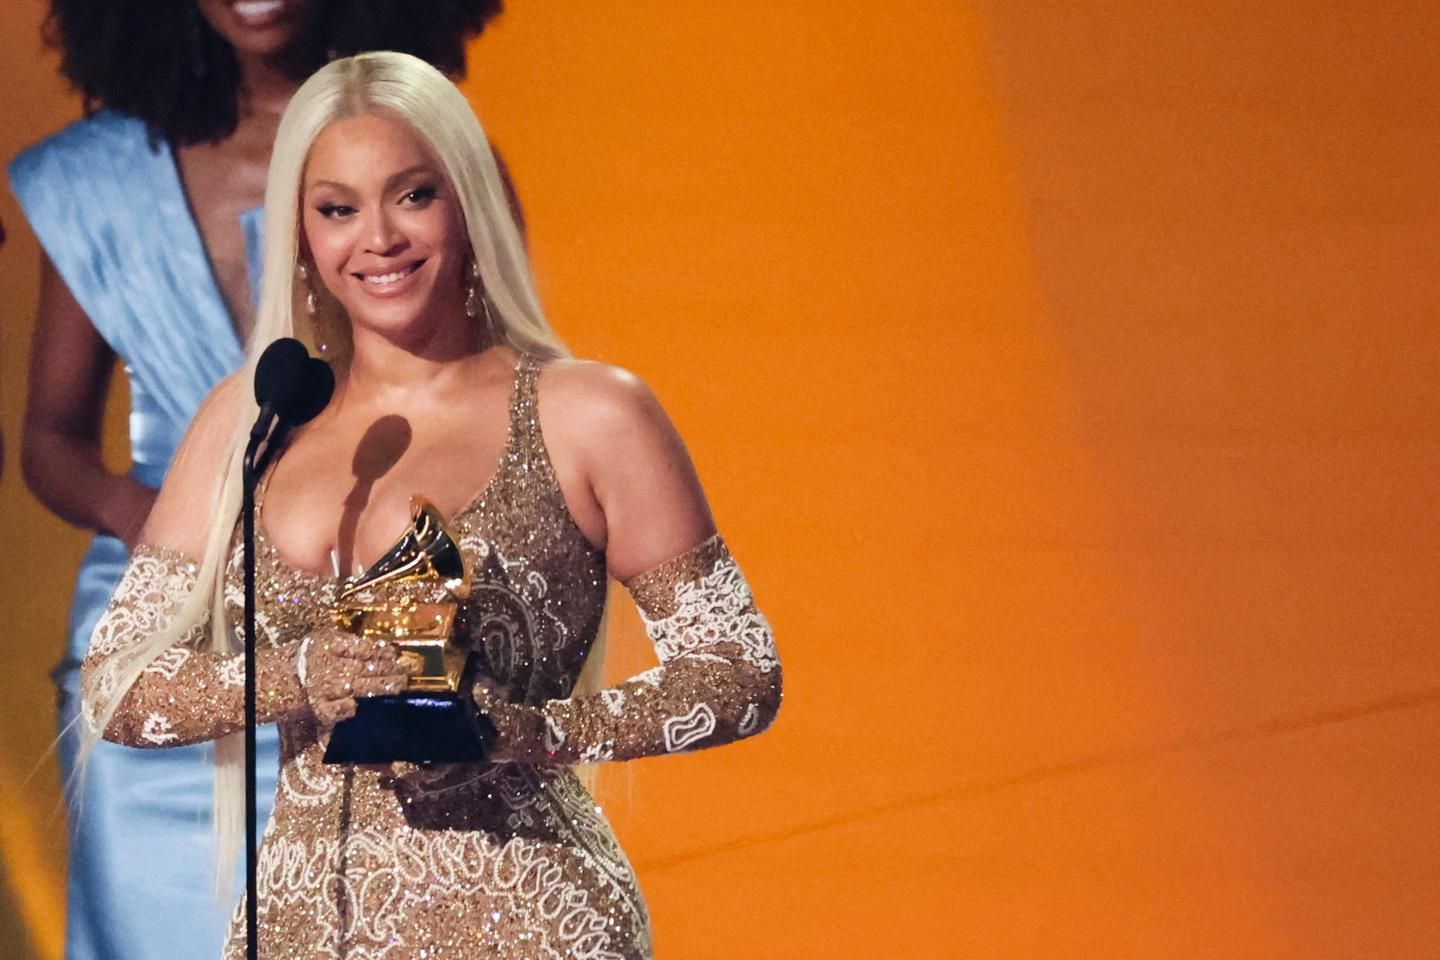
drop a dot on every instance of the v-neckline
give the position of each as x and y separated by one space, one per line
186 232
474 504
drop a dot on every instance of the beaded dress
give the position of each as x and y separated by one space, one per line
510 859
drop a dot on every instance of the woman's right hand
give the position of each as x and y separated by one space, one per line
335 667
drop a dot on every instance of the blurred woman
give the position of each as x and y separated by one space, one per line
148 213
391 245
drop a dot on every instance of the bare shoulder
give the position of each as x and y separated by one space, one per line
219 412
601 407
597 393
609 437
227 395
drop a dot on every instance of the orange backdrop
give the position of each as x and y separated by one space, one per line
1062 375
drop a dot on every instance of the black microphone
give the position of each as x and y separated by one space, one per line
291 388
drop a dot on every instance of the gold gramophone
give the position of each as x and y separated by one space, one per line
426 555
432 720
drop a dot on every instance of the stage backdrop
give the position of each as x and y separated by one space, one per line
1063 375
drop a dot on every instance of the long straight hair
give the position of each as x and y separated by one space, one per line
407 88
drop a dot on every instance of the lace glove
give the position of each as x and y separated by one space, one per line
718 679
184 695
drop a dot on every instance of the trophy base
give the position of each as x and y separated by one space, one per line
415 727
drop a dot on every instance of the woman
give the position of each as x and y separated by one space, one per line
389 242
148 213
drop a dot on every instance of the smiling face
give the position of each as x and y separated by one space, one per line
260 28
384 230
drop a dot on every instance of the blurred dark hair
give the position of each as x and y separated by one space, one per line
159 61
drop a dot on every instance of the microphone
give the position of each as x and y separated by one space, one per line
291 386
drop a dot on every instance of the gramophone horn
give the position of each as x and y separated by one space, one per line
427 551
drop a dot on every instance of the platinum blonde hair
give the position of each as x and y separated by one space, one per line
409 89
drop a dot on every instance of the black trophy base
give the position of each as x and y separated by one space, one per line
418 727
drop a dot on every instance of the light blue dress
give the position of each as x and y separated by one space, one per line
107 205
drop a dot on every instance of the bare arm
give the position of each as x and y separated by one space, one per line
638 495
70 368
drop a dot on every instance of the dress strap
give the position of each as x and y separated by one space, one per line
526 452
525 410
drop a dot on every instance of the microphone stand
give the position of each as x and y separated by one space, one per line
249 477
291 389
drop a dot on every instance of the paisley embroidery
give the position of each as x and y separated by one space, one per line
509 859
718 677
168 664
157 730
182 695
502 860
750 722
554 736
715 609
681 732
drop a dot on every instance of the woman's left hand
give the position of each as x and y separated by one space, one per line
336 667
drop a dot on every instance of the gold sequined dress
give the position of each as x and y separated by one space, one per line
502 860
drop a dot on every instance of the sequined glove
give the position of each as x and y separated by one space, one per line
185 695
718 679
335 667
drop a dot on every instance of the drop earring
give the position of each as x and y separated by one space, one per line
309 287
474 298
312 309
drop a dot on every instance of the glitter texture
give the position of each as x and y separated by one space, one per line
510 859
